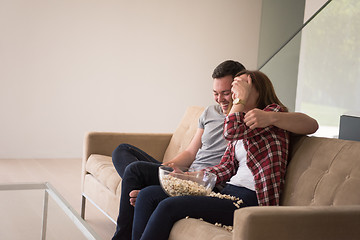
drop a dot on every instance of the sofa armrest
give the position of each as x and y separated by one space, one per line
297 222
104 143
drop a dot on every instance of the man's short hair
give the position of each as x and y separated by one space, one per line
229 67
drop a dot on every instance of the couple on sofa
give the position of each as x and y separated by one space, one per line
243 139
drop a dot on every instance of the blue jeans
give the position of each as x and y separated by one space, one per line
125 154
138 170
156 213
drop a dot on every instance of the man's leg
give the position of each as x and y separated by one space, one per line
136 176
125 154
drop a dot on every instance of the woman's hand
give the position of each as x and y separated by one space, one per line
241 87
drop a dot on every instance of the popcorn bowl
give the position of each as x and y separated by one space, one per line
181 183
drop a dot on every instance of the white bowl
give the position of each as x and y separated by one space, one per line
186 183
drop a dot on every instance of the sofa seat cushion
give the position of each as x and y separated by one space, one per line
191 228
102 168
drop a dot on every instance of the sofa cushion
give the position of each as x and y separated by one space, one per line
323 172
102 168
191 228
184 132
102 197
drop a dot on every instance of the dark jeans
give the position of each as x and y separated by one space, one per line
125 154
156 213
137 171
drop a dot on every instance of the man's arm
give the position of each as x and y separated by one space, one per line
186 158
183 159
295 122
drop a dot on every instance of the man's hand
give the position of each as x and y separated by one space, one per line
133 195
257 118
294 122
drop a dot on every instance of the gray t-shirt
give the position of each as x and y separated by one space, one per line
213 142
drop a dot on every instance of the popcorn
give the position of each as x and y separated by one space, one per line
179 187
225 196
228 228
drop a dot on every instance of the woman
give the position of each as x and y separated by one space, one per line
254 165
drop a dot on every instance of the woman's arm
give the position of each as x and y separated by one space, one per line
295 122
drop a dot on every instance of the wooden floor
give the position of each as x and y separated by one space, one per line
65 176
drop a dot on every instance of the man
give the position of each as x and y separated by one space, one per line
139 170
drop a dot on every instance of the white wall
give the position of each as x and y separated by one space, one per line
280 20
73 66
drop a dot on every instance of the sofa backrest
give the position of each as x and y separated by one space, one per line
184 133
322 171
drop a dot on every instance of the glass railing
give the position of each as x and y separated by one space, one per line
325 56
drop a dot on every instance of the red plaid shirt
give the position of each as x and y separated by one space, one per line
267 152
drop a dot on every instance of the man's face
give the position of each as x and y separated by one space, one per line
222 91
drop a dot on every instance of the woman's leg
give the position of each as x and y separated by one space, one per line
248 196
170 210
125 154
143 209
136 176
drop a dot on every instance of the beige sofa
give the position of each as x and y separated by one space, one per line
101 184
321 199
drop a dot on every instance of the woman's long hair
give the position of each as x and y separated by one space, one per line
265 88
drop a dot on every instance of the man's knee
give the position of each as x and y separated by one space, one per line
121 148
136 168
131 168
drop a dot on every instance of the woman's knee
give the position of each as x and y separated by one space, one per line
151 195
148 192
170 206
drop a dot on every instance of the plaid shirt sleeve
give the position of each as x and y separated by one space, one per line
236 129
227 166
